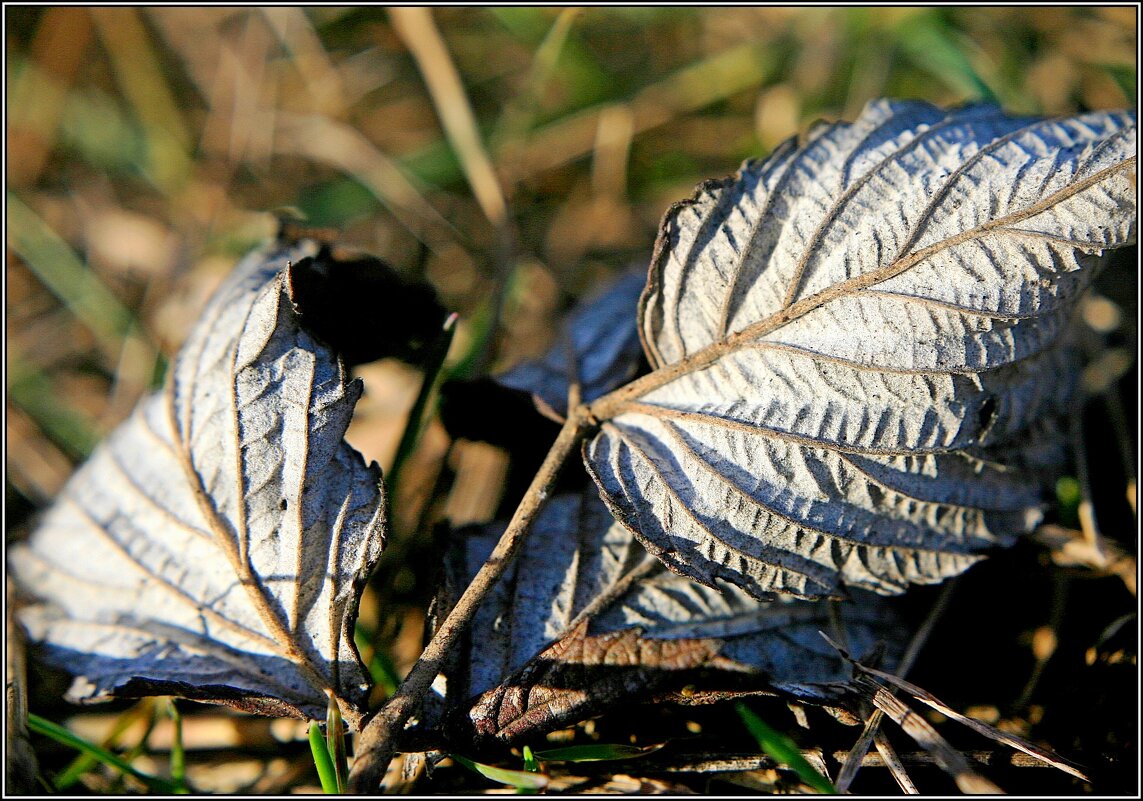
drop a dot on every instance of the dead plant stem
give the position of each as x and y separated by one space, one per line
377 742
868 736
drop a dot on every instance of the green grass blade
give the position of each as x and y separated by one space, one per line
84 762
140 747
783 750
932 45
57 266
61 735
381 668
335 742
1124 78
78 766
433 363
514 778
178 753
596 753
35 393
1069 493
384 672
327 774
531 764
519 113
481 325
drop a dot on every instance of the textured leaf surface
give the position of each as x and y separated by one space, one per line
586 618
215 546
857 348
602 334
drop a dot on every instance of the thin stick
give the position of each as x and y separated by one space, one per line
1089 525
377 743
21 768
950 760
860 748
893 762
931 700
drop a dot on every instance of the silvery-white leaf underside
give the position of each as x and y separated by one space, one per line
582 566
858 348
215 545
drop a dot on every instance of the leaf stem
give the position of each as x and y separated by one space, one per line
376 744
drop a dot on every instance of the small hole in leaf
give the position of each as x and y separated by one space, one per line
283 504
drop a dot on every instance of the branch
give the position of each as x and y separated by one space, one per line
376 744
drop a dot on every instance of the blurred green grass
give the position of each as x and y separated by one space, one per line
146 146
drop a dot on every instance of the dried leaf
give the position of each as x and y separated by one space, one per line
580 676
602 333
216 545
586 618
857 348
363 308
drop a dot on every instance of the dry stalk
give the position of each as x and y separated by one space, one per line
377 742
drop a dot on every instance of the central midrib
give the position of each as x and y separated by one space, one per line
617 402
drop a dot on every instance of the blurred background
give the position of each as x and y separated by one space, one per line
514 158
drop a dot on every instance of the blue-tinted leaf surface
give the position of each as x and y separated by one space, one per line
603 335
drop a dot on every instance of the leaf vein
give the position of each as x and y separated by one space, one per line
174 589
748 557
